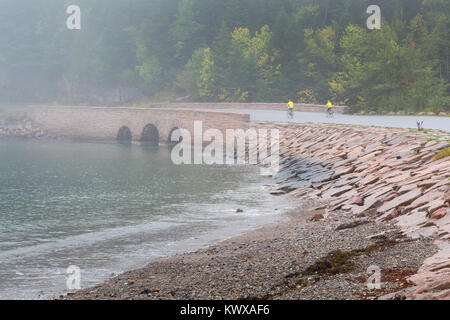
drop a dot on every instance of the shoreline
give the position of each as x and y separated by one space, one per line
272 263
370 196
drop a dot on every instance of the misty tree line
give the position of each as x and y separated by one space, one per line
234 50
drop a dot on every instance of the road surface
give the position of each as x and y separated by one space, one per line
429 122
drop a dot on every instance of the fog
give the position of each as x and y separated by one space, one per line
116 52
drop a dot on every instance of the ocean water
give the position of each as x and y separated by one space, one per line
107 208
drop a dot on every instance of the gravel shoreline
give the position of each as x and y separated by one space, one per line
280 261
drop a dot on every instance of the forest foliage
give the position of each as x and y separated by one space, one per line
310 51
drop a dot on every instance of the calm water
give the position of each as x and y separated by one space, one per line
110 208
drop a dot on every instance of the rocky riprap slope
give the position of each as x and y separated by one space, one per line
22 129
379 174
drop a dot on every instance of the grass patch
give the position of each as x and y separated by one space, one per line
433 138
443 154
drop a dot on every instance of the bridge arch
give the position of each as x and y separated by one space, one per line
150 134
103 123
171 132
124 135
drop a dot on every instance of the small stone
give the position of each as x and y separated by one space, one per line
439 213
316 217
350 225
378 236
357 200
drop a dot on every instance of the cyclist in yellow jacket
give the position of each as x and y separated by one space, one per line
290 105
329 107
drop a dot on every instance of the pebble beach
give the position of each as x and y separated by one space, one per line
272 263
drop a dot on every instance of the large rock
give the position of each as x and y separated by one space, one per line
368 180
414 219
439 213
407 188
398 178
427 198
335 192
377 192
443 224
433 279
402 200
343 170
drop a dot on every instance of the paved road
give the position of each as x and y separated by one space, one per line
440 123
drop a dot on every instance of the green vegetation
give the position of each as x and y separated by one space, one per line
236 50
443 154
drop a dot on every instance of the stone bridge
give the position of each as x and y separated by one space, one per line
249 106
151 125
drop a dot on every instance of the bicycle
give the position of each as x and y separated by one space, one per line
290 114
330 112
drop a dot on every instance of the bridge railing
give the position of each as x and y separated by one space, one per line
248 106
